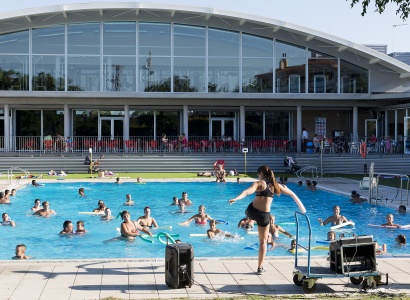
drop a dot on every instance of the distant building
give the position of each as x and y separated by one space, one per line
379 48
402 56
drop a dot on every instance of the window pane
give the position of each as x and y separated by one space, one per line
28 123
119 73
142 123
290 75
154 39
85 123
168 123
119 38
16 42
48 73
154 74
223 75
198 124
322 75
254 123
83 73
223 43
353 78
257 75
48 40
53 122
276 124
189 74
283 50
84 38
14 72
254 46
189 40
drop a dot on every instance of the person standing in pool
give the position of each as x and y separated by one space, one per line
129 228
185 199
45 211
259 208
80 228
6 220
67 228
129 201
389 221
101 207
107 216
146 220
21 252
37 205
200 218
81 192
335 219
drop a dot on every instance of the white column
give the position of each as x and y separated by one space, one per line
395 124
386 123
126 123
355 124
66 121
185 120
299 128
6 128
242 122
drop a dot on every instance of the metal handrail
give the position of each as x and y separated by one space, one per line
297 240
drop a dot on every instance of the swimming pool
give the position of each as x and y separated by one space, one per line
40 235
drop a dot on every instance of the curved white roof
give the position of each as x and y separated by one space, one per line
120 11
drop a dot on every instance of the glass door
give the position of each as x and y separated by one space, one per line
406 135
222 128
110 128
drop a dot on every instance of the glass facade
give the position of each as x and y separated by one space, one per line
165 57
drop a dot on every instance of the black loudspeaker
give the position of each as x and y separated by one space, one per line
356 254
179 265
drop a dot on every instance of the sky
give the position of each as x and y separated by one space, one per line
334 17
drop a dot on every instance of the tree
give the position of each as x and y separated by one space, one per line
403 6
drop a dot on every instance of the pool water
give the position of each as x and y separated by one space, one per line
41 237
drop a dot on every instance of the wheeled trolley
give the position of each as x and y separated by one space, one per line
353 257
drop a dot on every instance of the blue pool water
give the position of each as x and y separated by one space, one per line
43 242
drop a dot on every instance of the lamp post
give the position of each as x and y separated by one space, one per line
244 151
90 150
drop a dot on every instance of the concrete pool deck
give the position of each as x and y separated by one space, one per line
145 279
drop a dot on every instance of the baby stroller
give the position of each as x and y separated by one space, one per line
291 165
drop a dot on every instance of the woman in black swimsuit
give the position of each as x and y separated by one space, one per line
259 209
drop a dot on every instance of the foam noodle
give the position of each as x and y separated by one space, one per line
253 232
91 213
198 234
164 234
348 223
300 204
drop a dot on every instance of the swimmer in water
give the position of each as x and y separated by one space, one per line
101 206
7 194
118 181
331 236
128 201
274 229
213 231
67 228
81 192
246 223
129 228
34 183
37 205
3 200
200 218
174 201
6 221
185 199
13 192
107 216
21 252
335 219
139 179
45 211
181 205
80 228
380 250
390 220
402 208
146 220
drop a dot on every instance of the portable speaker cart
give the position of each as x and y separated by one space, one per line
353 257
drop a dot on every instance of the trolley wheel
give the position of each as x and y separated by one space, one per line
306 288
366 286
297 281
356 280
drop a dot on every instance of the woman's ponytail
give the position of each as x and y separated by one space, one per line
276 188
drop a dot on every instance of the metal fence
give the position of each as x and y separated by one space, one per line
195 144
